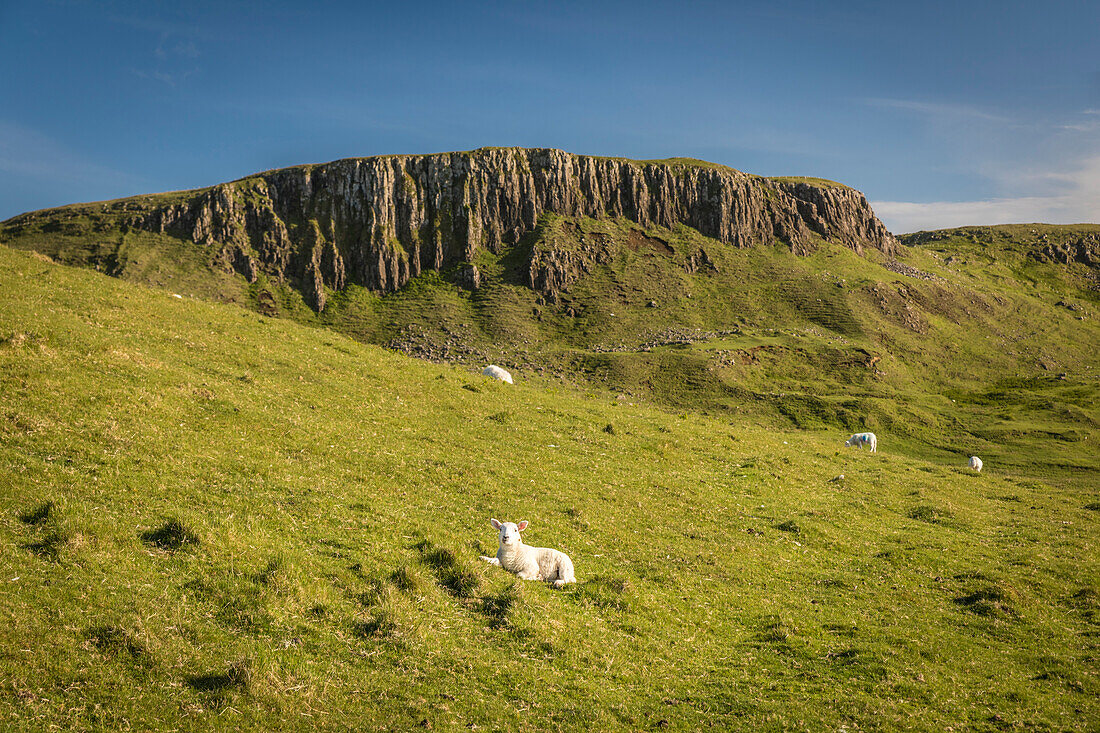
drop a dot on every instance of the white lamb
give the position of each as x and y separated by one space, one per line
976 463
497 373
529 563
862 439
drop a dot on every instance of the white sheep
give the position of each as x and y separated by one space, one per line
976 463
529 563
497 373
862 439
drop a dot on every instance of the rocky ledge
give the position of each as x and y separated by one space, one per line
380 221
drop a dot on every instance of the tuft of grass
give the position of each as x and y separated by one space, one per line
50 544
407 579
172 535
604 592
498 607
113 639
993 601
454 576
237 678
930 514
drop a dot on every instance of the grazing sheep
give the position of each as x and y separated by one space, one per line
862 439
497 373
529 563
976 463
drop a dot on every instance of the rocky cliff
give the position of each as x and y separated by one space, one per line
380 221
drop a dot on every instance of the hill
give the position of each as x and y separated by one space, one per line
378 222
677 282
212 518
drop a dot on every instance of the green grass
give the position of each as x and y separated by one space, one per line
213 519
832 340
810 180
829 341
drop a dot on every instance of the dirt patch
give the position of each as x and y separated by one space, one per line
638 240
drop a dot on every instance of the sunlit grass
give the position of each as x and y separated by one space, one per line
214 519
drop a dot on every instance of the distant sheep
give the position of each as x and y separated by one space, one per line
497 373
529 563
976 463
862 439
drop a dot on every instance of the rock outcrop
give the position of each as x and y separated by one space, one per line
1083 250
380 221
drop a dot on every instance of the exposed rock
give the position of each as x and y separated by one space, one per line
897 303
910 271
838 214
379 221
1084 250
469 277
551 270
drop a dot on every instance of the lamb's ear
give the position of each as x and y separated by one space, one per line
522 525
495 523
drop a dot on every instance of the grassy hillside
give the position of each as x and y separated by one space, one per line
972 343
951 354
212 519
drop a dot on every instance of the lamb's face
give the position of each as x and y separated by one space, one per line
509 533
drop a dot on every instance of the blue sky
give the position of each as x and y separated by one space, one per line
942 113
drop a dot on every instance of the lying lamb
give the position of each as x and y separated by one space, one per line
862 439
497 373
529 563
976 463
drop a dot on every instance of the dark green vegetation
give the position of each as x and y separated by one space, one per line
215 519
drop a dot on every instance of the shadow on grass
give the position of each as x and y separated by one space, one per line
381 625
116 640
235 679
1087 601
459 581
991 601
930 514
39 514
50 545
603 592
172 535
498 608
781 636
859 662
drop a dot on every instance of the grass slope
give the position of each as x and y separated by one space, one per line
972 352
214 519
970 345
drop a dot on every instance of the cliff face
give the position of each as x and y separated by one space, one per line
380 221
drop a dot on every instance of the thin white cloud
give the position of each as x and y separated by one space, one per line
164 27
1037 168
1080 126
166 78
1078 201
906 216
936 109
176 53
